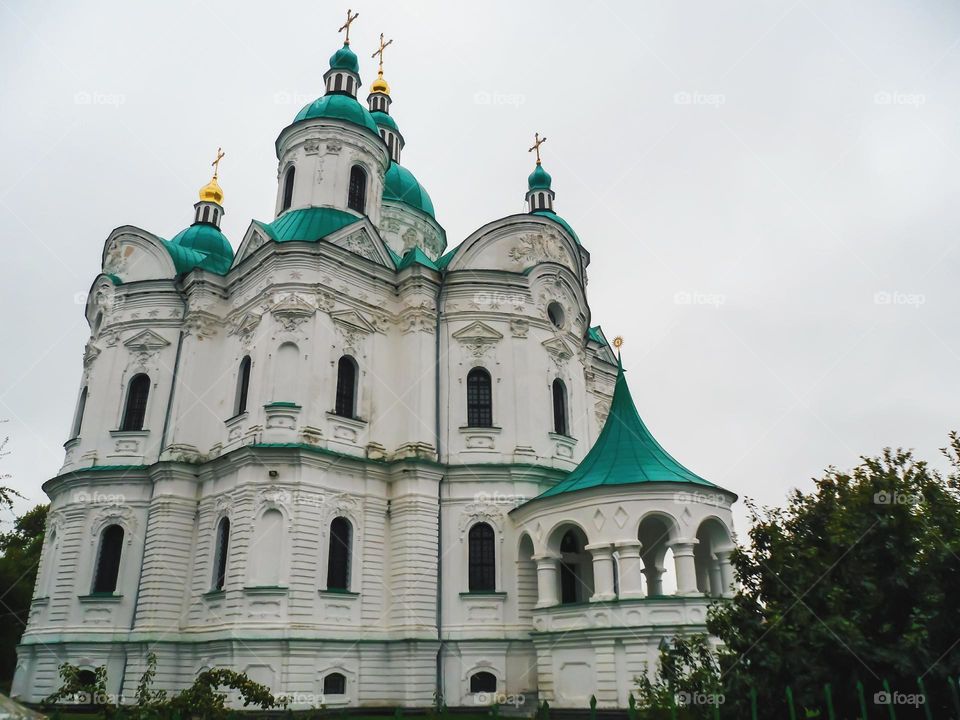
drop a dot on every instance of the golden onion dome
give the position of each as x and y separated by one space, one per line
380 85
212 192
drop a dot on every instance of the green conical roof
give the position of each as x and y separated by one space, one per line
625 453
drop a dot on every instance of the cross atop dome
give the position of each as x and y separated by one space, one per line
343 77
209 209
346 26
539 194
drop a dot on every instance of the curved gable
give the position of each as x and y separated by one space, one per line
517 243
133 254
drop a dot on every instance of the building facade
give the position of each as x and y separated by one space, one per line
361 467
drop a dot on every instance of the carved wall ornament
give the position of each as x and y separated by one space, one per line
560 352
117 258
311 147
244 326
334 147
121 515
534 248
352 327
200 324
482 511
519 327
326 301
292 311
359 243
341 505
478 339
418 318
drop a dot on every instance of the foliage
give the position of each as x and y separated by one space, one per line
204 699
19 558
77 689
687 676
853 581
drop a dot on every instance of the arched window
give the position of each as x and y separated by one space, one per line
483 682
345 405
555 313
482 560
479 399
338 560
78 415
206 213
243 385
288 188
576 568
220 554
108 560
559 407
357 198
334 684
136 408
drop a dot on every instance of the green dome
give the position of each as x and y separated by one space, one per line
399 184
339 107
539 179
200 245
345 59
381 118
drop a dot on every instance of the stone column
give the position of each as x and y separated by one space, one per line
727 582
654 577
547 569
602 571
686 566
630 569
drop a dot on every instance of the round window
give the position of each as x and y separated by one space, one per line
555 313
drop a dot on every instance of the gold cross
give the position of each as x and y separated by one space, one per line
346 26
380 51
538 141
216 162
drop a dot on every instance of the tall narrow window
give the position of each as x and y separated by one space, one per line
243 385
559 407
136 408
346 387
220 554
288 188
338 561
108 560
479 399
357 199
78 415
482 561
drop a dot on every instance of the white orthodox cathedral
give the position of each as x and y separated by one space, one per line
363 466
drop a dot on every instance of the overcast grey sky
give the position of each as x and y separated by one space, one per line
768 190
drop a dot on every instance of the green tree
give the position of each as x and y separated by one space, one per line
856 580
19 559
